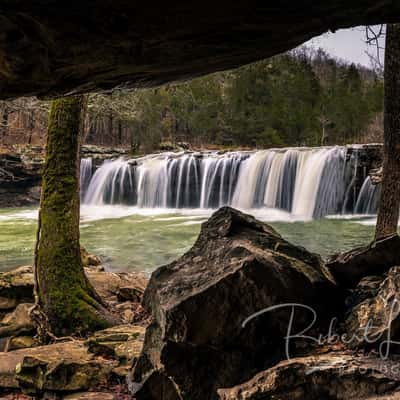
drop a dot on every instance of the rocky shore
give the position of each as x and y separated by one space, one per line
20 172
243 315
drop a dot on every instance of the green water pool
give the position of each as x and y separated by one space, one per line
133 239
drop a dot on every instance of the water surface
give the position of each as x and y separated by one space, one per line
128 238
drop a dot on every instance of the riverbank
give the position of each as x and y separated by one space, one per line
20 171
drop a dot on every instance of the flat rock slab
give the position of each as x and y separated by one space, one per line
59 367
90 396
330 376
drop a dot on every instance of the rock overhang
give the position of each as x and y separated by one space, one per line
51 48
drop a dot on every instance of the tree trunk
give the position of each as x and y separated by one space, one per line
65 295
389 206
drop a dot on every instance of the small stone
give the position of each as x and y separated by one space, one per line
20 342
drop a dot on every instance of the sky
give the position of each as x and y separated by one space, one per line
348 44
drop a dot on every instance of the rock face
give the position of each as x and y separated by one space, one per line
50 48
349 268
333 376
197 341
376 319
19 181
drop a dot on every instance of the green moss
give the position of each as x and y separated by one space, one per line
65 293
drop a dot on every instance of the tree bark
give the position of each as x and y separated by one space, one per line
65 294
389 206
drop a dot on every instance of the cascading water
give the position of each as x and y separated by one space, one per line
367 202
308 183
85 175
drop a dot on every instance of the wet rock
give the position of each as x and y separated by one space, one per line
237 267
377 258
377 319
330 376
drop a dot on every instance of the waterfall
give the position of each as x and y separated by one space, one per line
367 201
112 183
307 182
85 175
319 182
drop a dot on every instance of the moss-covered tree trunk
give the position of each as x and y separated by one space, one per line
65 295
389 206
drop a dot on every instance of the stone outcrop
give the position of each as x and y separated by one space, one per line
332 376
376 319
19 181
198 340
55 48
16 287
375 259
20 171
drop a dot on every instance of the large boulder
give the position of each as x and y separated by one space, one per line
199 339
332 376
375 259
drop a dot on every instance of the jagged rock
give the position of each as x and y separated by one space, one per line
377 258
330 376
377 319
17 322
237 267
122 342
368 287
16 287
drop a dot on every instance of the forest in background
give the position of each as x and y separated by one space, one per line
301 98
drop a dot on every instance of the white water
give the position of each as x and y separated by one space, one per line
303 183
85 175
367 202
